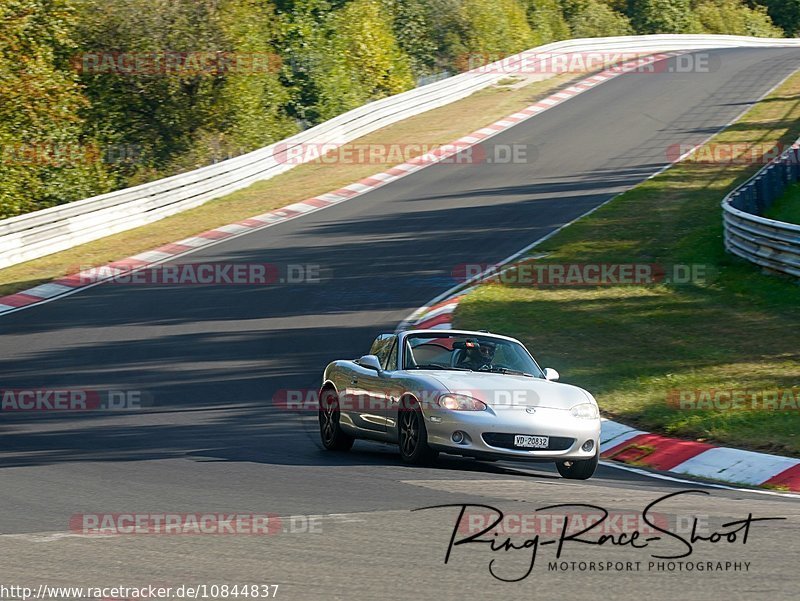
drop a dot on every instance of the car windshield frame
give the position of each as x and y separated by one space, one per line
536 371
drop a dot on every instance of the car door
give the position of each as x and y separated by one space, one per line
393 386
367 396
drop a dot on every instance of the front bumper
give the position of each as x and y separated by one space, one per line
490 433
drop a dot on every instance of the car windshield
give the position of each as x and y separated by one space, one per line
468 352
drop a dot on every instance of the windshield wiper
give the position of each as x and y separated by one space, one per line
507 371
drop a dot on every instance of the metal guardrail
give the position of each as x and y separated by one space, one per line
774 245
58 228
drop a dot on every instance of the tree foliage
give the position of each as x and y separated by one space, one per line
784 13
44 158
735 18
662 16
341 59
547 20
496 26
363 61
75 121
592 18
189 111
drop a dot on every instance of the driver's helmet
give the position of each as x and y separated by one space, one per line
480 352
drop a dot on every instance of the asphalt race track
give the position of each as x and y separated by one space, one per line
210 358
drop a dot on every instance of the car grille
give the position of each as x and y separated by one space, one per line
504 440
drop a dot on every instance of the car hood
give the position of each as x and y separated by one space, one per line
499 389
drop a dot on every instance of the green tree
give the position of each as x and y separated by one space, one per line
448 27
303 47
197 89
249 108
784 13
735 18
44 158
362 60
412 26
662 16
496 27
546 18
591 18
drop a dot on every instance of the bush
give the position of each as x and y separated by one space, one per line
734 18
593 19
351 59
546 18
497 27
45 158
662 16
784 13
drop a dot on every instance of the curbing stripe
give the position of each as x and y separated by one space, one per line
151 256
233 228
20 299
442 310
614 435
787 479
657 452
193 242
214 234
443 321
173 249
736 465
48 290
330 197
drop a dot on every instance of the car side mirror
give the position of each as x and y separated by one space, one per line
551 374
370 362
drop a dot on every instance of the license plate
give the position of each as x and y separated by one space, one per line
531 442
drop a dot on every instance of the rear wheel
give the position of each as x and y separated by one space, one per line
330 431
582 469
413 437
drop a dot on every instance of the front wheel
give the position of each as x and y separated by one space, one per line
330 431
582 469
413 437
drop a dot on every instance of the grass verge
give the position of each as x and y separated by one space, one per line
640 349
439 126
787 207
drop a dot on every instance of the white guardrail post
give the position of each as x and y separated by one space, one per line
61 227
774 245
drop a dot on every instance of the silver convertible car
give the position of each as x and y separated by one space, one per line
466 393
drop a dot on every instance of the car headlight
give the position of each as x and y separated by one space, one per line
585 411
461 402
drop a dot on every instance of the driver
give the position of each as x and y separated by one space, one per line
477 355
